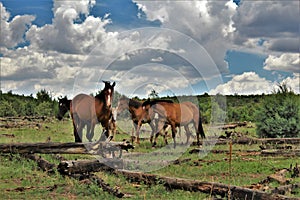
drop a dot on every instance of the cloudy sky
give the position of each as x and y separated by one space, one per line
174 47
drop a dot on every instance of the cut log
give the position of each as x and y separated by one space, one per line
65 148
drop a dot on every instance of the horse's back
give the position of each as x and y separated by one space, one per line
84 106
190 105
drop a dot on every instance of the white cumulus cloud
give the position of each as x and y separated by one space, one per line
285 62
244 84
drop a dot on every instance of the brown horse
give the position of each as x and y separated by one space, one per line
176 114
88 111
63 107
138 115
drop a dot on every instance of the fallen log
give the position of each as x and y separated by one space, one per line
98 181
285 189
42 163
173 183
246 140
49 167
202 186
294 152
82 167
64 148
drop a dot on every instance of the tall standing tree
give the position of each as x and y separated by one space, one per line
280 114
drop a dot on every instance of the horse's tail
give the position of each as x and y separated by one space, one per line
200 127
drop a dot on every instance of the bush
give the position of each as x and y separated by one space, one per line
279 115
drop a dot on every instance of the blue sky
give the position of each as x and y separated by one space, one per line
47 44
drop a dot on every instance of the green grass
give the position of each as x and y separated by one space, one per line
22 179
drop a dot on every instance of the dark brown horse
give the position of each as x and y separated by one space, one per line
88 111
63 107
176 114
138 115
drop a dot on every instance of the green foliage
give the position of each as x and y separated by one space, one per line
20 105
6 109
43 96
279 115
44 109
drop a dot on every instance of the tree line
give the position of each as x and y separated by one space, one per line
276 114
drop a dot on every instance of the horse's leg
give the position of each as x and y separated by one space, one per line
159 126
166 129
106 129
174 133
76 123
138 127
179 131
113 127
79 131
153 127
199 129
90 130
188 133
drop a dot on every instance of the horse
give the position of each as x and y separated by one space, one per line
175 114
87 111
63 107
138 115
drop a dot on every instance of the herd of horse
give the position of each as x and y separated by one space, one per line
87 111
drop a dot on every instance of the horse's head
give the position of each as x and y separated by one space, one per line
108 92
146 105
63 107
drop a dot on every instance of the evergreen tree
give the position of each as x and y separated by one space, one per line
43 96
280 114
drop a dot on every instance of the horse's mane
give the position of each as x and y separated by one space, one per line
101 96
134 103
155 101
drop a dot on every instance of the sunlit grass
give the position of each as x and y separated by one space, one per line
245 168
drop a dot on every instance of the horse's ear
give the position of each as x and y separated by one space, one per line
113 85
